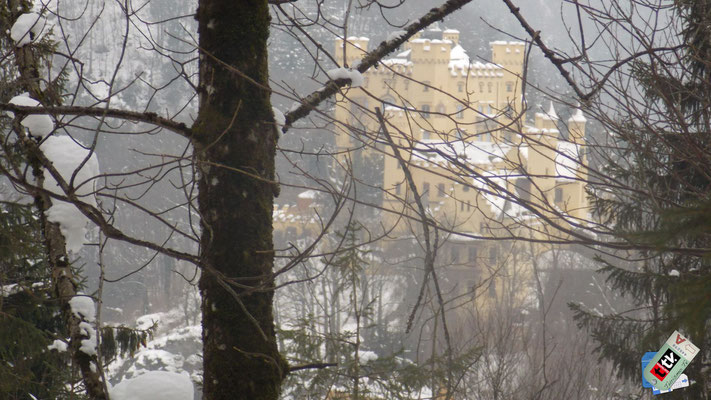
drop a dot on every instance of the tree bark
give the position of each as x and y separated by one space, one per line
235 131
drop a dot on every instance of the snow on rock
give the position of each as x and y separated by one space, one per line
355 76
154 385
674 273
67 155
58 345
39 125
83 307
27 29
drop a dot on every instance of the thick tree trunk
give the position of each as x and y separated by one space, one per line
234 142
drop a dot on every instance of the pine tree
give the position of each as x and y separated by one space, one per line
29 319
661 204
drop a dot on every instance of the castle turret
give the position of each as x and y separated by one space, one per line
356 47
576 127
547 120
510 56
451 35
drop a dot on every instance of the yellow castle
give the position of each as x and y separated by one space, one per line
459 128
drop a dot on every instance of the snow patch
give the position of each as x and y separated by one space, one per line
567 160
367 356
674 273
154 385
83 307
88 345
279 117
38 125
66 156
58 345
27 29
343 73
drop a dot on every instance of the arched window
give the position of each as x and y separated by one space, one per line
387 102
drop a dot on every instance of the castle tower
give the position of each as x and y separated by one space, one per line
355 48
451 35
576 127
510 56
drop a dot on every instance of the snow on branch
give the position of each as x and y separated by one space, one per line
146 117
371 59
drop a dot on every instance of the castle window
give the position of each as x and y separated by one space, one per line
465 188
472 254
397 189
490 86
460 87
440 108
493 255
440 190
425 87
426 135
481 87
425 197
492 288
509 87
425 111
558 195
455 255
460 111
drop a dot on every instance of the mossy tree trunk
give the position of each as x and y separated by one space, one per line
234 142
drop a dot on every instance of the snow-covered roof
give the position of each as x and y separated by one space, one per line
578 116
291 213
432 41
307 194
567 160
548 115
458 54
451 31
438 153
505 43
405 54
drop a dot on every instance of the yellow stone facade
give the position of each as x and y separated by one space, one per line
463 120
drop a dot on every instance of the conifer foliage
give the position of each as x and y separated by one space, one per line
656 196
